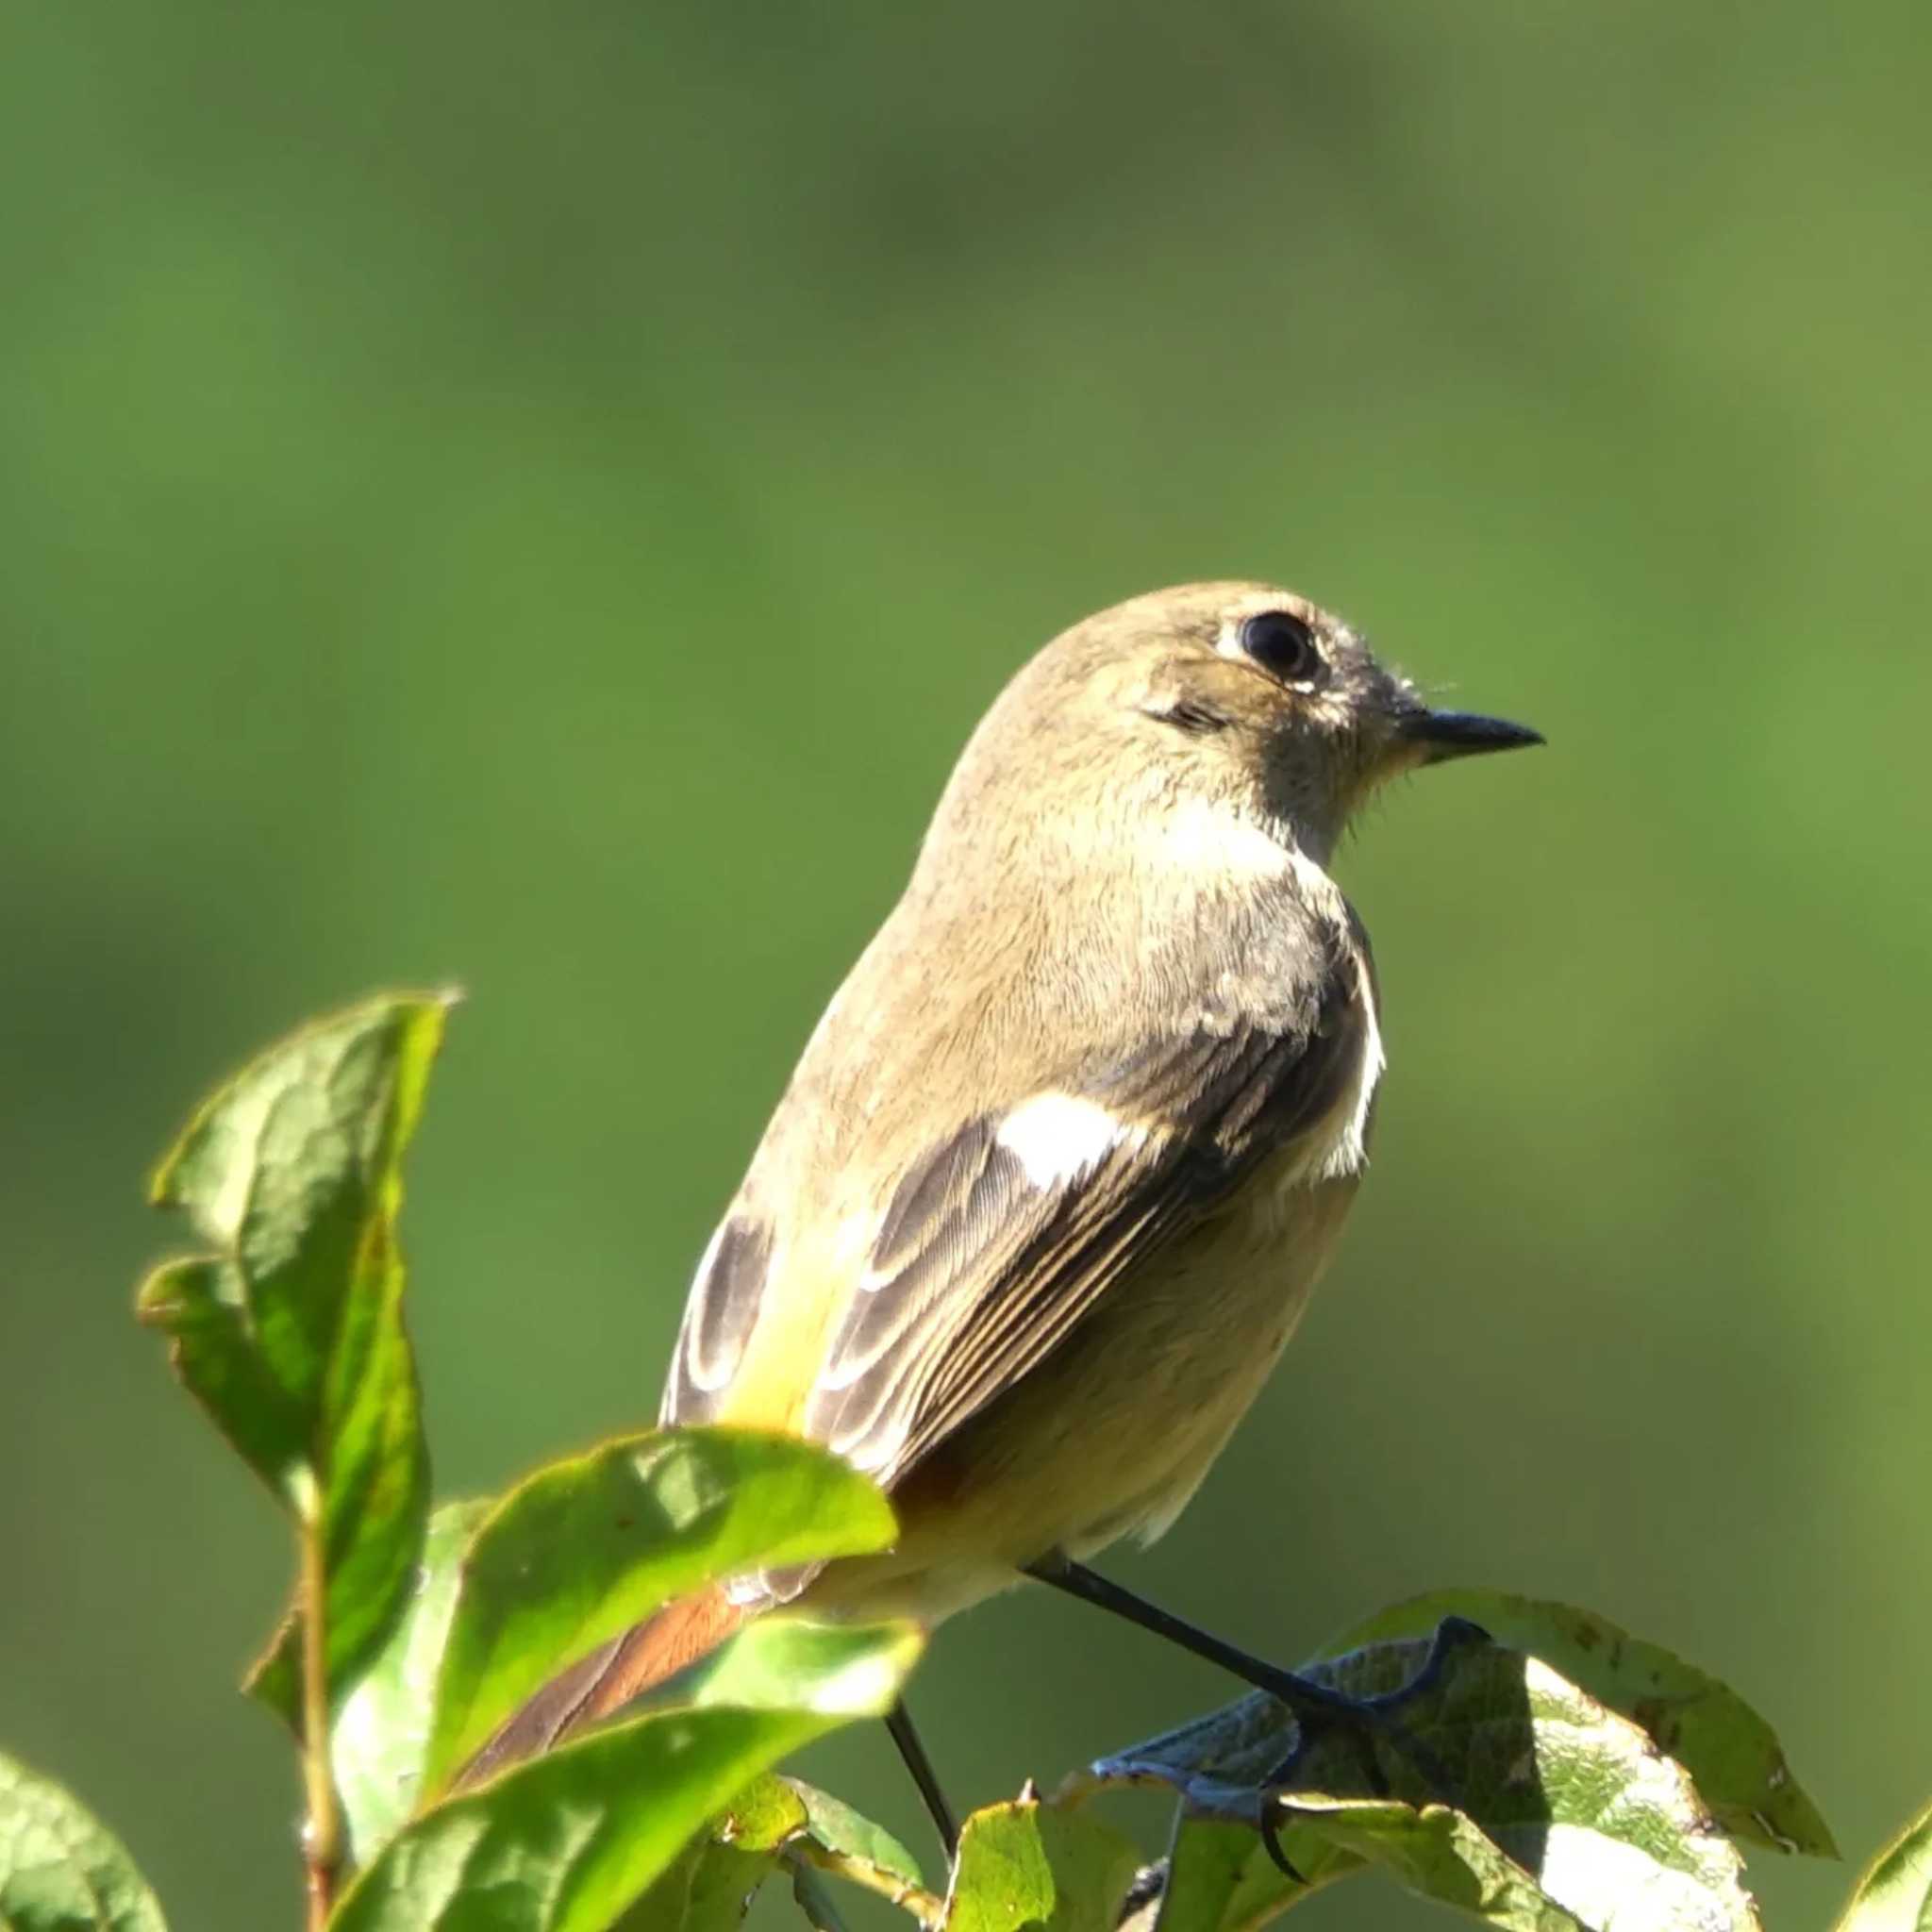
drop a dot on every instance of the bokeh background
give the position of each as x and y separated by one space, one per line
536 496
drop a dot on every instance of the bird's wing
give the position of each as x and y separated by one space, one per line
1007 1229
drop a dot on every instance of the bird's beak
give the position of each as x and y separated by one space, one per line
1438 735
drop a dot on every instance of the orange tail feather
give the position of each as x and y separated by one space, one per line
627 1667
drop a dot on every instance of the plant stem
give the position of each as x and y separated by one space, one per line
922 1906
322 1835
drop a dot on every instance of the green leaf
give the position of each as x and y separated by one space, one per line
814 1899
590 1546
833 1825
1564 1813
382 1730
774 1821
566 1842
1028 1867
1895 1893
289 1333
768 1813
1727 1747
1220 1764
708 1887
201 1306
786 1662
61 1869
1219 1879
712 1883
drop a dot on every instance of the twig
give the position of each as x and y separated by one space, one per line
321 1835
922 1904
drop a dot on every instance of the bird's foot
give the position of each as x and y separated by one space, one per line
1366 1724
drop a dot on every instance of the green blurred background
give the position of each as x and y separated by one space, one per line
537 497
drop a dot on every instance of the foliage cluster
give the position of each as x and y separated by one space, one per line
1545 1771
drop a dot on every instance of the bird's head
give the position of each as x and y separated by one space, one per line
1252 692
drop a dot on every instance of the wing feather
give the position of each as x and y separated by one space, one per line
725 1296
983 1261
1007 1228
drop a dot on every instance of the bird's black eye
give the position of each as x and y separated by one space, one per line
1283 646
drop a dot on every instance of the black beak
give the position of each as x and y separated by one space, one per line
1440 735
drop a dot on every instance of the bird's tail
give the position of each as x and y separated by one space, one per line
644 1656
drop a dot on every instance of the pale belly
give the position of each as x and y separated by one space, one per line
1113 1434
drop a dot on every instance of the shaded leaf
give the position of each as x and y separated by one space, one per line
568 1841
1564 1813
723 1882
61 1869
832 1823
774 1821
201 1306
289 1333
710 1887
1731 1753
814 1899
382 1730
1895 1893
1203 1867
1219 1879
1028 1867
588 1546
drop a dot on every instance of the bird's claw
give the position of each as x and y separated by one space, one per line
1271 1843
1369 1719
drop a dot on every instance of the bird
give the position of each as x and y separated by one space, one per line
1061 1163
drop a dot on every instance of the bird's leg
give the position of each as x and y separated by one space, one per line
1316 1707
899 1722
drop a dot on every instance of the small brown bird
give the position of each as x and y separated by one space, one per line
1052 1181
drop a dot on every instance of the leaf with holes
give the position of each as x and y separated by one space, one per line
1727 1748
1553 1811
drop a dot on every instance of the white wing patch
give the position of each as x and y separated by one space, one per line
703 1377
719 1317
1058 1137
1348 1152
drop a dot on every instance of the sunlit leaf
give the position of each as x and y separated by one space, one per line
568 1841
1028 1867
588 1546
1557 1811
61 1869
1895 1893
289 1333
383 1728
834 1825
786 1661
1730 1751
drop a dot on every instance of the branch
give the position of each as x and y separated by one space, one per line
321 1834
